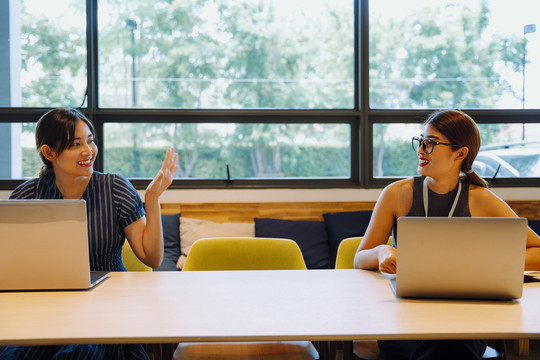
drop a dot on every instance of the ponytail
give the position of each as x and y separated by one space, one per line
46 169
474 178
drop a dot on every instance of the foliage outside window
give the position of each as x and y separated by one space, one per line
252 151
454 54
292 57
216 54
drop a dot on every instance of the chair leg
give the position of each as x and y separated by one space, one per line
332 349
521 347
167 350
153 351
322 348
348 353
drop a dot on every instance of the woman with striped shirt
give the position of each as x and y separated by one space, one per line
65 142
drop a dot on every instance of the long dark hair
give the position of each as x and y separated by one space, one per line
460 129
56 128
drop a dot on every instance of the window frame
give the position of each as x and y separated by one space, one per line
361 120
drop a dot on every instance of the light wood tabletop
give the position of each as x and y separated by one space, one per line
161 307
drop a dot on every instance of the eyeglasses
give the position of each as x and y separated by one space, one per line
428 144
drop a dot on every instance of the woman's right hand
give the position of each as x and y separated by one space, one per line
387 259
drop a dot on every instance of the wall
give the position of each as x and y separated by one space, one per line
301 195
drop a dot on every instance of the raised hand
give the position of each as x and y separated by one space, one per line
165 175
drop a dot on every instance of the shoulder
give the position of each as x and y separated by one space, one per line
484 202
400 187
397 197
115 181
27 190
122 185
121 189
481 194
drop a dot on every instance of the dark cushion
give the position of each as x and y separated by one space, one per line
342 225
535 226
310 236
171 242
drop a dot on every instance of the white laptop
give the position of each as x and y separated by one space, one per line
474 258
44 246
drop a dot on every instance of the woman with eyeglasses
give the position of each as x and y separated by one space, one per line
447 186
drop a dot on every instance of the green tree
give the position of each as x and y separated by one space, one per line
54 56
211 54
416 63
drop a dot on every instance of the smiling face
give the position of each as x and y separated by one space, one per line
78 158
443 161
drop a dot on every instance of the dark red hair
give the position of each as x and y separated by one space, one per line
460 129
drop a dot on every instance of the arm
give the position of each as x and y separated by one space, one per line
373 253
145 235
484 203
532 256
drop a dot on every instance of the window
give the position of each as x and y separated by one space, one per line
44 49
454 54
471 55
272 93
225 150
219 54
508 150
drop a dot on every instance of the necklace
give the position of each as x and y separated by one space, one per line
426 198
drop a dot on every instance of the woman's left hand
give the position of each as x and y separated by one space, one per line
164 177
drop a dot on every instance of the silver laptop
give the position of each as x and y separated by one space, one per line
474 258
44 246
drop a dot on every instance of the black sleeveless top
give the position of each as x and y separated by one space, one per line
438 204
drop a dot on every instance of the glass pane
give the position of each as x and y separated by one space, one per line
508 150
218 54
457 54
19 157
251 150
43 52
393 155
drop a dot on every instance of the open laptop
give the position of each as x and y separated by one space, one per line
44 246
473 258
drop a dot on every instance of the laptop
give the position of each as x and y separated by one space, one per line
468 258
44 246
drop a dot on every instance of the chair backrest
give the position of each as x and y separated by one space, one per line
346 250
131 262
244 253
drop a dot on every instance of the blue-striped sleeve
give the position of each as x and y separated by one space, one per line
26 190
129 205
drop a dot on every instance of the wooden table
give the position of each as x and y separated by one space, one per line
168 307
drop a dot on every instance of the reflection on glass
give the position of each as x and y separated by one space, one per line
242 54
393 155
458 54
44 57
508 150
18 155
258 151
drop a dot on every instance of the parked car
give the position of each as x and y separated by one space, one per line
520 159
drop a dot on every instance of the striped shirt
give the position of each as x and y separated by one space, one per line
112 203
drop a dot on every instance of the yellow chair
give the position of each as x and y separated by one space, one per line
131 262
346 250
245 254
